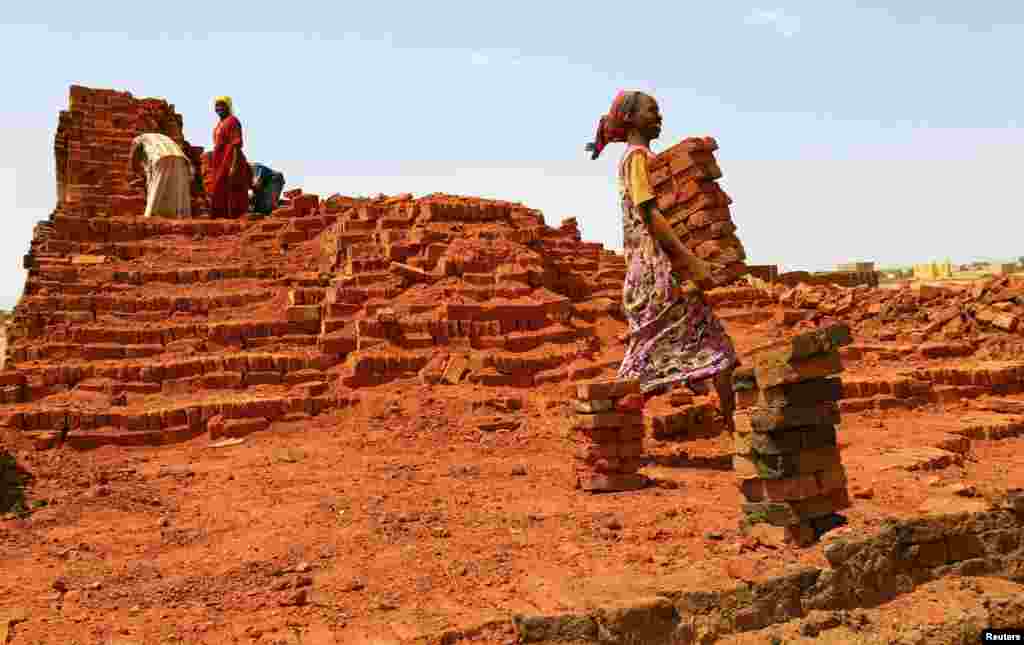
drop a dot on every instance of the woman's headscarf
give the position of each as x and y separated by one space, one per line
226 100
613 127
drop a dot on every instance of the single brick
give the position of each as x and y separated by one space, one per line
770 375
803 346
607 389
806 393
760 419
594 407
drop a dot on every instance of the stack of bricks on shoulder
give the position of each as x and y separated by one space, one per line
607 430
786 450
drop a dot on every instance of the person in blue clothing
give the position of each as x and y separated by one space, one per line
267 185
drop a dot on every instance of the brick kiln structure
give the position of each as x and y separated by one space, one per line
91 152
134 330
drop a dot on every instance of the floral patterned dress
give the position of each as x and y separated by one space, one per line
674 337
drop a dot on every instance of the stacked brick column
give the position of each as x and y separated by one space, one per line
685 184
607 430
92 145
786 451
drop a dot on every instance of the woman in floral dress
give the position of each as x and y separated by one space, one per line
674 337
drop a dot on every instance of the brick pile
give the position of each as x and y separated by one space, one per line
685 185
138 330
683 417
91 150
786 454
606 428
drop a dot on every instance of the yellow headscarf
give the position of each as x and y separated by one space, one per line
226 100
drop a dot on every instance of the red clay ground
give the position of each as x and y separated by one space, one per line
400 518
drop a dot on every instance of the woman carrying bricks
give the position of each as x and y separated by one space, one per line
674 337
168 175
230 173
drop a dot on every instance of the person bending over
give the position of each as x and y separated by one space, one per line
267 185
168 175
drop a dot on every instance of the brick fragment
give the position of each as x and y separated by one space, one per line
772 374
820 341
611 482
606 389
594 407
604 420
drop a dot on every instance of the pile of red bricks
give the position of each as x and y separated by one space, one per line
689 418
608 435
787 457
92 145
684 179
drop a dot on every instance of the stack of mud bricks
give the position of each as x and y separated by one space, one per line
607 429
685 184
92 146
786 450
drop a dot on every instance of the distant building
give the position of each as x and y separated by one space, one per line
1002 268
856 267
933 271
766 272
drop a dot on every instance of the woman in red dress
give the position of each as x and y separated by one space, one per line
230 173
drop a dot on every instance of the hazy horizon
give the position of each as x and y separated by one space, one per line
848 132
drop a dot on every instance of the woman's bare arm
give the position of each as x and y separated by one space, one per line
681 256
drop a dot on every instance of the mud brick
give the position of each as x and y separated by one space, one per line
631 433
630 464
630 403
780 490
237 427
611 482
803 394
630 449
802 534
772 374
795 513
594 407
779 443
303 313
455 370
11 377
605 420
600 435
590 452
763 419
262 378
805 462
608 389
820 341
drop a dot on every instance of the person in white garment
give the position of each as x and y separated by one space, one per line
168 173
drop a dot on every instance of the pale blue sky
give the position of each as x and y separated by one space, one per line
849 130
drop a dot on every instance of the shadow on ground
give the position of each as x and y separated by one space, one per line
13 480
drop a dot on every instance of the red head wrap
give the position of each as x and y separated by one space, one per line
614 126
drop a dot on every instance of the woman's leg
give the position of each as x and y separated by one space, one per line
723 384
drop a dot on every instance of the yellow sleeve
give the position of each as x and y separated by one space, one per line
638 182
